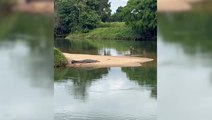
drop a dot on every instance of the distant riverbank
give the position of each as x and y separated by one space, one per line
108 31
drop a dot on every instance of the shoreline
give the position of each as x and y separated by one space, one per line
105 61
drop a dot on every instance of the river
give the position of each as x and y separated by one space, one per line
26 84
107 93
184 64
184 73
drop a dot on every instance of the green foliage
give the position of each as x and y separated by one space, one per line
102 7
82 16
118 16
59 59
79 15
141 15
67 16
89 20
112 33
112 24
118 31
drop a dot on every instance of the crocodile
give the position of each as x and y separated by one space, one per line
84 61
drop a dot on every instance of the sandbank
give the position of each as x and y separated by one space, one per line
106 61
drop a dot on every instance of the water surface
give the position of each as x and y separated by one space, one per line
106 93
26 63
184 65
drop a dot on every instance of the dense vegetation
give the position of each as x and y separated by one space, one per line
81 16
108 31
141 16
59 59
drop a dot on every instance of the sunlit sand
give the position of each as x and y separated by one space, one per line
106 61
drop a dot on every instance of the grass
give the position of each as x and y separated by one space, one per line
59 59
112 24
108 30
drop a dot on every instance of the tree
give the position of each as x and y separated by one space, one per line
141 15
74 16
118 16
89 20
67 16
102 7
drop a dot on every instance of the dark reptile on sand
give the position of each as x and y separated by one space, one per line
84 61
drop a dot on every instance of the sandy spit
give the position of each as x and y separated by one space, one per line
106 61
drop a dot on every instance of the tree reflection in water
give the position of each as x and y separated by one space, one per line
145 76
31 34
81 79
190 30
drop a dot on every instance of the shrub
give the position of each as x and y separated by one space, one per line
59 59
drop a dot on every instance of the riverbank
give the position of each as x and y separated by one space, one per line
107 31
59 59
106 61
